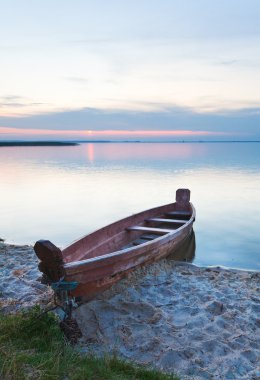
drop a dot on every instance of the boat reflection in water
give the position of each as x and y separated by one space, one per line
186 251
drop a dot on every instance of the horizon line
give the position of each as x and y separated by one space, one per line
64 142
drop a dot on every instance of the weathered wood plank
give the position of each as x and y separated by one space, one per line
174 213
162 220
149 236
51 259
182 199
149 229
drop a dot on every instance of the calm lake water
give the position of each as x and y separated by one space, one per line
62 193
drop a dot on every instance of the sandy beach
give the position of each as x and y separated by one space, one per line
202 323
20 285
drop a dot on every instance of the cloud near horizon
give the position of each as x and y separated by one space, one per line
174 123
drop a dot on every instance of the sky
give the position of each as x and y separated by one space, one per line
139 69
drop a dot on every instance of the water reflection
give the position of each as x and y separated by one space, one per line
186 252
61 193
90 152
144 151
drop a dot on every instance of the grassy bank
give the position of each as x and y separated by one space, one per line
35 348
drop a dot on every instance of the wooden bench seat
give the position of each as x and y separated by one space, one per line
178 213
149 236
159 231
162 220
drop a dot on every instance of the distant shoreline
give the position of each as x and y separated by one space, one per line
78 142
36 143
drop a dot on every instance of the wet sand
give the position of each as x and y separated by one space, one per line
202 323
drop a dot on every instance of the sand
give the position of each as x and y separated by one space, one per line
202 323
20 285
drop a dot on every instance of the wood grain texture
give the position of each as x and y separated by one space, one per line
99 259
51 260
164 220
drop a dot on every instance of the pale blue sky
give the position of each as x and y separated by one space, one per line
90 65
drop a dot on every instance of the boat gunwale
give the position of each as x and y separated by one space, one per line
64 249
125 251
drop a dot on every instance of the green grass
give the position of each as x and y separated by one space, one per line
34 348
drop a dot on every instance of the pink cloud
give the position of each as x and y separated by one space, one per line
23 133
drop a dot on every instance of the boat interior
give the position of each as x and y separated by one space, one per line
127 233
158 226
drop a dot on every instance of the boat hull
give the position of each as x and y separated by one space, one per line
95 280
100 259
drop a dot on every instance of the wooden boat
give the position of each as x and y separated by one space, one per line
98 260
